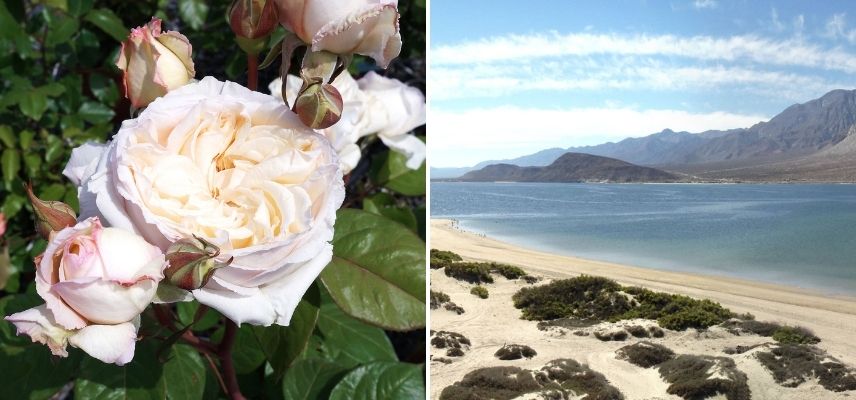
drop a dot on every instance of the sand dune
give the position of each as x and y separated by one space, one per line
493 322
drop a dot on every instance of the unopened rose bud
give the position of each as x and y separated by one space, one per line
154 63
319 106
319 65
253 19
192 263
51 216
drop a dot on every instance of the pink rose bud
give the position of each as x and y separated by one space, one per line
319 106
154 63
2 224
253 19
51 216
95 282
192 263
367 27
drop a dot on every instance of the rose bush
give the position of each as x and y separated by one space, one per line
234 167
95 282
367 27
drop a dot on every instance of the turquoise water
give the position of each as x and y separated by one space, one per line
798 235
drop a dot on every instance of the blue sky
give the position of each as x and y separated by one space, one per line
508 78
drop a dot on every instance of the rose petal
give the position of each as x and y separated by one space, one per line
409 145
255 309
128 258
83 161
38 323
285 293
108 343
104 302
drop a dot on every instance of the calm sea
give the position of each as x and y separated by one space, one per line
799 235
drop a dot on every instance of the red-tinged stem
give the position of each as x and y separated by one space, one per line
252 71
226 363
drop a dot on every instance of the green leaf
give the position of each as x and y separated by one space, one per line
136 380
383 204
187 311
284 344
378 271
7 136
34 104
311 379
33 371
193 12
61 29
108 22
79 7
381 380
349 342
104 89
25 139
395 175
11 162
247 354
183 374
95 113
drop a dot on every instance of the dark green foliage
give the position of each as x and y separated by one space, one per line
508 271
793 364
689 376
637 331
583 297
442 258
779 333
795 335
587 297
479 291
450 306
530 279
656 332
437 299
566 323
469 272
455 352
559 379
515 352
443 360
645 354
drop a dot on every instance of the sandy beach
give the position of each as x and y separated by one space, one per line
493 322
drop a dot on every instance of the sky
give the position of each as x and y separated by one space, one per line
509 78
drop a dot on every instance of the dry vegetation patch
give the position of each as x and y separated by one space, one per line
515 352
699 377
645 354
794 364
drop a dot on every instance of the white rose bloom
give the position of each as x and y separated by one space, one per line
237 168
343 135
394 110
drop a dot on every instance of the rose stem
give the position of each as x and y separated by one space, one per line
252 71
224 351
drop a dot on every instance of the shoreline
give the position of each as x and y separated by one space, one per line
833 318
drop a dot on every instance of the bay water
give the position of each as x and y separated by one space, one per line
798 235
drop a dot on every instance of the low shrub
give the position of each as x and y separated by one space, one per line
618 335
645 354
508 271
760 328
792 364
515 352
740 349
437 299
530 279
566 323
442 258
470 272
455 352
499 383
597 298
479 291
699 377
447 339
450 306
656 332
637 331
443 360
580 379
795 335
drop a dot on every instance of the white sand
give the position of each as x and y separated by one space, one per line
492 322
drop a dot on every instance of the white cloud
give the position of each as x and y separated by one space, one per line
775 23
836 27
700 4
463 138
790 52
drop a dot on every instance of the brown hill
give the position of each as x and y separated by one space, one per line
572 167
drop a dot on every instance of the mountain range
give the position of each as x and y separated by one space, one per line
812 141
572 167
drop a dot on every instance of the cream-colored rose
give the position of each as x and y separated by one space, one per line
367 27
237 168
154 63
343 135
95 282
394 110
